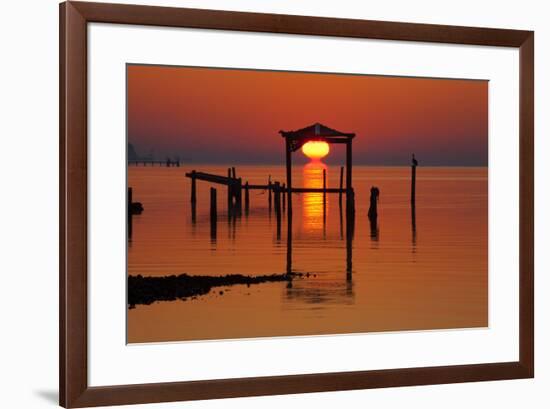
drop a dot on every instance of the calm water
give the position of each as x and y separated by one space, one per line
407 274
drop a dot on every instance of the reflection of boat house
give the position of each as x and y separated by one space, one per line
294 140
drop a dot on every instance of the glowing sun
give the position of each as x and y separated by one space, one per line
315 149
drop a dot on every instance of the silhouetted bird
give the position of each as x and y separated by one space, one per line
414 161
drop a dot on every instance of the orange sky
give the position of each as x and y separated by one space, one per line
233 116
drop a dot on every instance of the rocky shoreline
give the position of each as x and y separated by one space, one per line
147 290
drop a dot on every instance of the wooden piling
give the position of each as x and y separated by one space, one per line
213 213
324 197
341 186
349 164
233 172
269 195
284 196
277 191
288 159
239 194
324 186
193 187
246 197
229 193
373 207
130 198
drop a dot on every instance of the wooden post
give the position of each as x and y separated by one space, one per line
229 193
348 165
193 187
284 196
373 207
341 186
239 194
269 188
350 199
277 189
288 156
213 213
413 185
246 197
130 198
324 197
233 172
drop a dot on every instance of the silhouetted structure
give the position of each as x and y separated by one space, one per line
294 140
133 207
373 208
413 180
213 214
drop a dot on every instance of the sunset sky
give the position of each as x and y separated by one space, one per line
234 116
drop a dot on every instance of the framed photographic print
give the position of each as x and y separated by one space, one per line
258 204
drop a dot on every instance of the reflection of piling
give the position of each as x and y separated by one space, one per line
413 180
289 242
350 230
277 191
341 186
246 198
373 229
413 226
213 213
413 185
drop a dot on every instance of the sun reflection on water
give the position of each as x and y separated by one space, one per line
314 212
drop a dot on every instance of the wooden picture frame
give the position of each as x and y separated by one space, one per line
73 329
